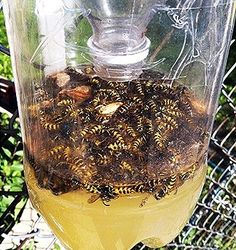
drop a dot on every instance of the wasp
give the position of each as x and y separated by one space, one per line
152 106
111 84
50 123
160 138
105 94
170 107
96 81
105 192
148 86
116 146
116 135
137 101
96 100
139 88
139 142
167 123
65 102
89 70
93 130
126 166
151 185
81 168
57 152
131 132
84 132
119 143
102 119
114 95
124 189
139 123
104 159
167 186
157 87
149 127
67 154
123 109
187 174
97 129
50 126
187 108
69 108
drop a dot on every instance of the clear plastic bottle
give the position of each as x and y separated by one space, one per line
117 100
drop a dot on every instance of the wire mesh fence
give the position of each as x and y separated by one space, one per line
213 223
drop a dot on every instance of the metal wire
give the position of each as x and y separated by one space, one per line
213 223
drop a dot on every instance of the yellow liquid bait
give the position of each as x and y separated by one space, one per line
80 225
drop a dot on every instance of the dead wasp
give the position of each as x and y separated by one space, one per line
51 122
138 143
96 129
123 109
167 123
124 189
160 138
84 132
103 159
50 125
57 152
186 106
82 169
116 135
152 106
148 126
89 70
158 87
139 123
111 84
170 107
65 102
68 108
136 101
131 132
187 174
124 165
96 81
116 146
139 88
151 185
104 192
106 94
113 94
102 119
166 187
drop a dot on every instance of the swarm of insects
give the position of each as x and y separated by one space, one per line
112 138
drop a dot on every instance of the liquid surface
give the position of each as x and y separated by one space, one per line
80 225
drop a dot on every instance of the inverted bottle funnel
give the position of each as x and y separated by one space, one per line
118 45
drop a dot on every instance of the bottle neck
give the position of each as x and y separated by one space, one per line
117 62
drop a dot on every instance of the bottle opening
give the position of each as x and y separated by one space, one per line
117 60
